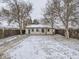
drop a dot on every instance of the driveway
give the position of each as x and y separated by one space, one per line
45 47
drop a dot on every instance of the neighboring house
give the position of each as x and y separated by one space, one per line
40 29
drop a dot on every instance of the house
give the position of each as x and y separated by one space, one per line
39 29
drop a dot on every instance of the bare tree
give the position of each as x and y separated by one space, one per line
49 13
19 11
4 12
67 13
35 21
65 10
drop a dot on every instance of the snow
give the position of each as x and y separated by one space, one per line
3 41
38 25
11 39
45 47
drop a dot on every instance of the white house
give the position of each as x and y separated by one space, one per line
39 29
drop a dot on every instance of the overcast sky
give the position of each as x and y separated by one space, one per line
38 5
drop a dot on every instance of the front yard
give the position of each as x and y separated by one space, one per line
45 47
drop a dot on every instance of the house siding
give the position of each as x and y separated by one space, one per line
35 32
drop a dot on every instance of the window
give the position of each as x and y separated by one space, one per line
29 31
32 30
43 30
48 30
37 30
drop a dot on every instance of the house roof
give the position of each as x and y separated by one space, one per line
57 26
38 26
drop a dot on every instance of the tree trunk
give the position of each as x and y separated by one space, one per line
53 31
20 26
52 24
20 31
3 33
67 33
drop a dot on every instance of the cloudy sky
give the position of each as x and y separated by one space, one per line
38 6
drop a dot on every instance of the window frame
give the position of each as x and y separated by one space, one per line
48 30
37 30
42 30
32 30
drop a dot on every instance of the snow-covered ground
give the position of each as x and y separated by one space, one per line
45 47
3 41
